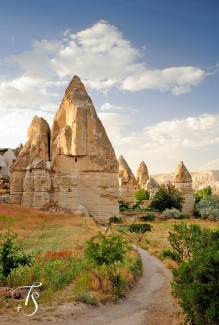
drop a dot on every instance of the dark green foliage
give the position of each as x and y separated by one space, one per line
184 216
196 283
11 256
140 229
148 217
136 206
107 250
203 193
115 220
123 205
167 253
185 240
142 195
167 197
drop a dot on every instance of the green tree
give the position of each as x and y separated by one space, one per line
140 229
108 251
142 195
167 197
186 240
203 193
11 256
196 284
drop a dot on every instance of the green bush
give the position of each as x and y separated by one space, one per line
142 195
102 250
168 253
196 284
167 197
139 229
208 208
123 205
148 217
12 256
115 220
170 213
203 193
186 240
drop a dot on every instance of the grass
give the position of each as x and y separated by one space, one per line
57 241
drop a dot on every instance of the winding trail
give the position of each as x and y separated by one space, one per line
149 303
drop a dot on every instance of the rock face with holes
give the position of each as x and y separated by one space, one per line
183 182
73 165
142 174
128 184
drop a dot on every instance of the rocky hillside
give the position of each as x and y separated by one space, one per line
200 179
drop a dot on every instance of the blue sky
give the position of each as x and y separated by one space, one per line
150 67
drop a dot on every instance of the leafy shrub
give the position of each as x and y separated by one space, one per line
12 256
115 220
170 213
208 208
142 195
186 240
139 229
107 251
123 205
167 197
168 253
196 284
203 193
184 215
148 217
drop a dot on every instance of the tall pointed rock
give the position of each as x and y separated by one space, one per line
183 182
37 146
80 146
142 174
128 184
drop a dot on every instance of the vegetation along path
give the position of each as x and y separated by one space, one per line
149 303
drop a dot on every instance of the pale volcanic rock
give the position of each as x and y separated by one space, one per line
183 182
142 174
36 184
75 169
37 146
152 186
128 184
79 145
38 136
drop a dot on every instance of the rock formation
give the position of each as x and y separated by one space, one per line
74 165
183 182
128 184
152 186
199 179
142 175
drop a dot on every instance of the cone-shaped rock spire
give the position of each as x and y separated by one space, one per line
127 181
183 182
142 174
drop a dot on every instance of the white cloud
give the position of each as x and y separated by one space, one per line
100 56
108 106
176 79
211 165
14 124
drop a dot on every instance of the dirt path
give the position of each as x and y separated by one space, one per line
149 303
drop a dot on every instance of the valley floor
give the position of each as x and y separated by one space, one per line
149 303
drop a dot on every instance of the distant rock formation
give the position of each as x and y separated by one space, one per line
7 158
183 182
199 179
142 174
152 186
128 184
73 165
